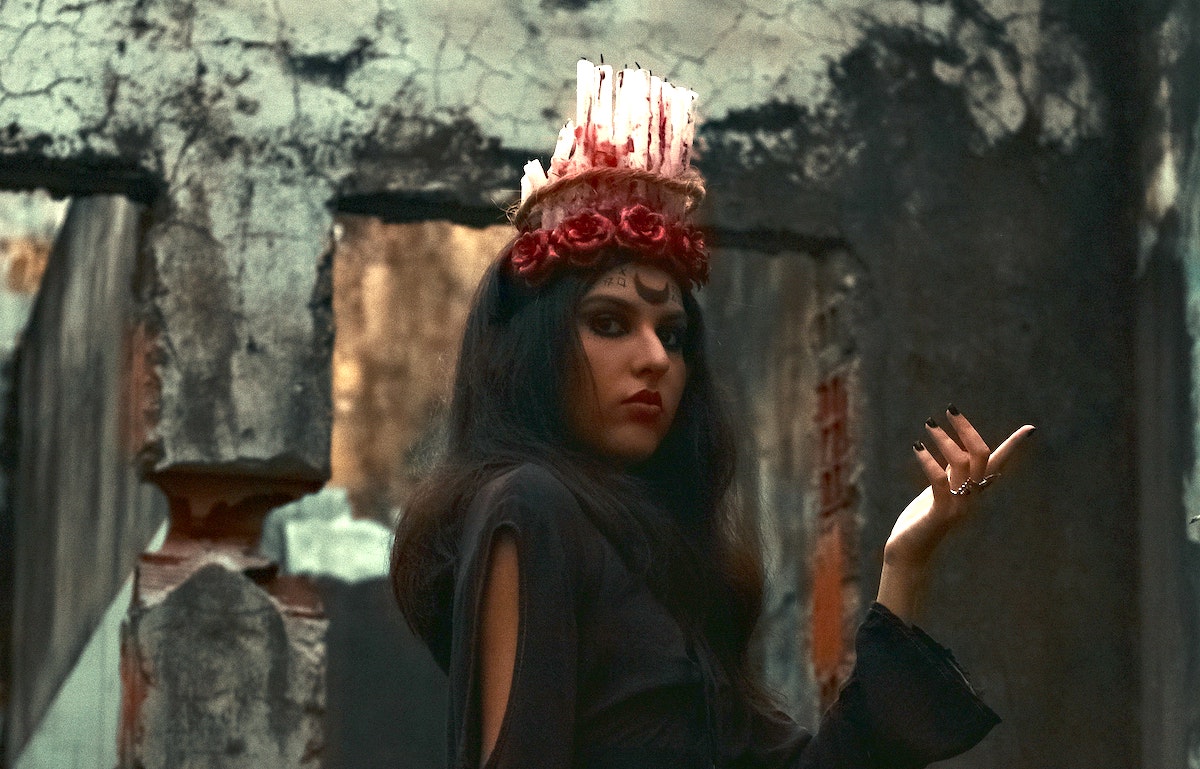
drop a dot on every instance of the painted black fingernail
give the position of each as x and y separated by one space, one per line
918 446
952 409
930 423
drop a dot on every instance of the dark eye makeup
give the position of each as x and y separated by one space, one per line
611 319
672 333
606 324
672 336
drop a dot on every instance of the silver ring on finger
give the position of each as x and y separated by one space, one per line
985 480
970 484
964 489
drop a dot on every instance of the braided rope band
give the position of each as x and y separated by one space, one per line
687 188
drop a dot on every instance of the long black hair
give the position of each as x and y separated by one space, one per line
672 518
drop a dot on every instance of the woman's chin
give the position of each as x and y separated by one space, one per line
631 446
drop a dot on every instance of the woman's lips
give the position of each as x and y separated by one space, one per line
647 397
644 406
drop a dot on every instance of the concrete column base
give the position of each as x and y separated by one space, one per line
222 658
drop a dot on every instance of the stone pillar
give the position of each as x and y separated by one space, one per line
222 657
223 660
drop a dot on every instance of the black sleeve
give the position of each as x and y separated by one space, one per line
906 704
539 721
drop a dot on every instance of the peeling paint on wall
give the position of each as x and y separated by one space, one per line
125 72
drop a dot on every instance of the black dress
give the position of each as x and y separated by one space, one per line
605 678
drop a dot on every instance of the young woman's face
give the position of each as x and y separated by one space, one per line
631 326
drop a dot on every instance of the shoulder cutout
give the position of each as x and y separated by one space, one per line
499 626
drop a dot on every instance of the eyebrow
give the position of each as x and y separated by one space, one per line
675 313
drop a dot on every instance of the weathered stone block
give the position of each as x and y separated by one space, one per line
241 301
217 673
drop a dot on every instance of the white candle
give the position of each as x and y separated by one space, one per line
689 131
602 112
671 96
654 159
584 75
637 85
584 106
681 107
620 124
562 150
535 174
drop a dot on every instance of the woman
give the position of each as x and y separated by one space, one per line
577 562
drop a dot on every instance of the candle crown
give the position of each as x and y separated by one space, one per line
621 172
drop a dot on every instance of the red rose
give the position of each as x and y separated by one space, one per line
583 236
642 229
531 256
689 253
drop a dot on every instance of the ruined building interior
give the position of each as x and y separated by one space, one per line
238 241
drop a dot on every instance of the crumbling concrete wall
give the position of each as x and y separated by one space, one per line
972 164
1168 283
244 121
81 514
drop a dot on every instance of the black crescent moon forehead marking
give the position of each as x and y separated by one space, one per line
651 295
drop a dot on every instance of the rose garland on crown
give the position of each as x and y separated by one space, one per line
580 240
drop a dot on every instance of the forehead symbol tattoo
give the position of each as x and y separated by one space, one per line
652 295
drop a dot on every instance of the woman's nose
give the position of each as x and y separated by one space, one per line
652 357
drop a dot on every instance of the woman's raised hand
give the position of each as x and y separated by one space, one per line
959 466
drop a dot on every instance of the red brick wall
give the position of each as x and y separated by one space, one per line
834 573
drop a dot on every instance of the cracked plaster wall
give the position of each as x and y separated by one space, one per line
245 120
280 71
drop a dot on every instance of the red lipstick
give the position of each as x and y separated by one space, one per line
649 397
